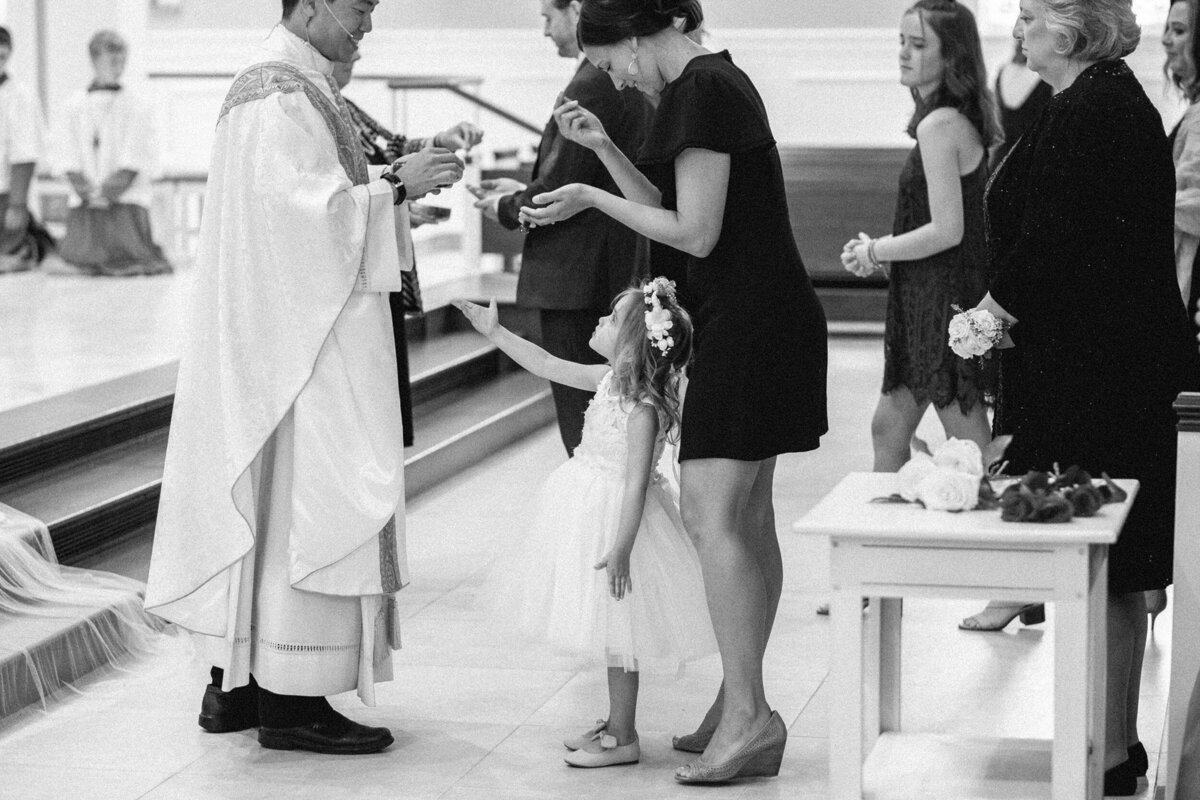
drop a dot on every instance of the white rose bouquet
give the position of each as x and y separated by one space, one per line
974 333
952 478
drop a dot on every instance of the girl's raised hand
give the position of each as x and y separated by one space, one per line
485 320
562 203
581 126
617 565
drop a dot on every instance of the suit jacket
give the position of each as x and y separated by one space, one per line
585 261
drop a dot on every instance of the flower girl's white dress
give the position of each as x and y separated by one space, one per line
562 601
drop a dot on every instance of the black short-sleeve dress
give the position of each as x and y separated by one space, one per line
757 386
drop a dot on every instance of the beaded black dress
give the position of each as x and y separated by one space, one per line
922 295
1081 234
757 385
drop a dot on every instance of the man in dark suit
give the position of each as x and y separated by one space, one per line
571 271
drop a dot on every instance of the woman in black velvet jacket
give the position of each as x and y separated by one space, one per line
1081 226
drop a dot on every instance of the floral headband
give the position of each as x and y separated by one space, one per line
658 319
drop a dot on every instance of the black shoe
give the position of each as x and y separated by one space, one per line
227 712
332 733
1139 761
1120 781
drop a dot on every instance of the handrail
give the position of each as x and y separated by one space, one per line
455 85
449 83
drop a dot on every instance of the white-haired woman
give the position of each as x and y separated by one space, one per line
1081 230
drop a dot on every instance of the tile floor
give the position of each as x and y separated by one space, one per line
477 720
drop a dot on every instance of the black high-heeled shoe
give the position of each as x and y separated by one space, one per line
1120 781
1139 761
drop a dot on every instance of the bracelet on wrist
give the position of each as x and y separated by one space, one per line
400 192
871 255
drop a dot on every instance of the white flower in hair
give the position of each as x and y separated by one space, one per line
658 319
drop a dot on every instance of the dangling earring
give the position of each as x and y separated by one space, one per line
633 66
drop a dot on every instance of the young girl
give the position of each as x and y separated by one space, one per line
607 565
938 248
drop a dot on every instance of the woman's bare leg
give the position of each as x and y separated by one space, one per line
716 496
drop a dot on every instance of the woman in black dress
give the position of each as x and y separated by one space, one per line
1080 223
710 184
938 248
937 251
1020 96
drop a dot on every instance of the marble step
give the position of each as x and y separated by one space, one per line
46 434
58 624
93 503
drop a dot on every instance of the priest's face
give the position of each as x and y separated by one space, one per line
337 26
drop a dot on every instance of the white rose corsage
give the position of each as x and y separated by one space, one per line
975 333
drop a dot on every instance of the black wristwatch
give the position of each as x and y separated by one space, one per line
401 190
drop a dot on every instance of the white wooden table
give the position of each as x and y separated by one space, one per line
890 551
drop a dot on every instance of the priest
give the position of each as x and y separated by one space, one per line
280 538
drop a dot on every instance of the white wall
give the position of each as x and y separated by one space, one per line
826 68
822 86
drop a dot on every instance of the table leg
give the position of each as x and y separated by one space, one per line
891 610
1072 696
872 664
846 675
1098 669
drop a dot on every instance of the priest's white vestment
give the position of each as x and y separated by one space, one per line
280 538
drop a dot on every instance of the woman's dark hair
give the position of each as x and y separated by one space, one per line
604 22
561 5
289 6
1189 83
964 82
1174 77
5 37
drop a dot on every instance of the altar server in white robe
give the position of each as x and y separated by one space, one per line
109 151
280 537
23 240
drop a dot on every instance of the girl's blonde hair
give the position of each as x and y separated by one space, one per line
642 371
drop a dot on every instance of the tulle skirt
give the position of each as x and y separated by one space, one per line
551 595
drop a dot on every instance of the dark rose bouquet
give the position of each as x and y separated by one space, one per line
1057 496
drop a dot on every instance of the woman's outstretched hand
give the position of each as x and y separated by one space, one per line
616 563
581 126
484 319
562 203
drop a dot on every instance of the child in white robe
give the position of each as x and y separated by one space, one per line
109 155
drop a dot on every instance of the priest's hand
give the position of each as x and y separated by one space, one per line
419 215
428 171
485 320
462 136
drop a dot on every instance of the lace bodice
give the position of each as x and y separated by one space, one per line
605 442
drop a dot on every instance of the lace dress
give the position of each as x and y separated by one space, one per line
922 293
561 601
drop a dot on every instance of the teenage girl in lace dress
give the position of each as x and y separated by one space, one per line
937 253
606 569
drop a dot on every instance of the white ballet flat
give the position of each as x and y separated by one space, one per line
610 754
578 742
